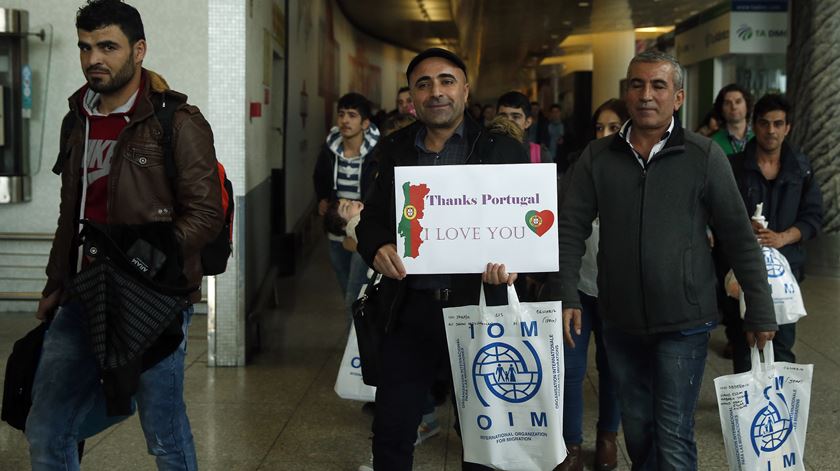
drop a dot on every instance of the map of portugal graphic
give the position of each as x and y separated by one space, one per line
409 227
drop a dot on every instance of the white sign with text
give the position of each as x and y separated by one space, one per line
458 218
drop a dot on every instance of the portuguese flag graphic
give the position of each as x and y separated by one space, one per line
409 227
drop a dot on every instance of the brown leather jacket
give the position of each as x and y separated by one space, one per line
139 191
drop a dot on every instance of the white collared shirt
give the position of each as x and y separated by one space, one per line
627 128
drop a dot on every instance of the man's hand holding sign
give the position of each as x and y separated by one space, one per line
390 264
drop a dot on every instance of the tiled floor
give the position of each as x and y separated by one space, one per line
281 413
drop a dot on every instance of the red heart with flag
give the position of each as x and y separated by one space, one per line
539 221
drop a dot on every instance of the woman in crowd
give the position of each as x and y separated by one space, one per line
607 120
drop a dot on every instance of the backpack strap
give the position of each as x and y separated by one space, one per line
165 114
66 129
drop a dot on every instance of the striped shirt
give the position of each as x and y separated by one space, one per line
348 176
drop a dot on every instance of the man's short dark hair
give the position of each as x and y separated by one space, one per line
333 222
515 100
98 14
355 101
771 102
403 90
555 105
733 87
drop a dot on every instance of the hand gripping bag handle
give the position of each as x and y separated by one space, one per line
513 300
766 369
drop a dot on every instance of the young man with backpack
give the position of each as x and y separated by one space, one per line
133 154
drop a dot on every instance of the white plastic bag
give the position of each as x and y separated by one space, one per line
787 299
507 368
764 414
349 384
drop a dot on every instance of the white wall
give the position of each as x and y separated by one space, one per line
260 159
177 36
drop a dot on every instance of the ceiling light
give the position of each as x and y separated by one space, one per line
555 36
567 23
655 29
583 4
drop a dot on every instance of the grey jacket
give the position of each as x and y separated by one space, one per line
655 265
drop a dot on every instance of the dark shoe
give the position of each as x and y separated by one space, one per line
573 461
606 451
727 351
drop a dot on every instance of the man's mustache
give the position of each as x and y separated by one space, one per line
438 101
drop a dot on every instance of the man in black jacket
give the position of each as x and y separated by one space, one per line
414 350
655 188
773 172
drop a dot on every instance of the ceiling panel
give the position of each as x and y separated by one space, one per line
503 41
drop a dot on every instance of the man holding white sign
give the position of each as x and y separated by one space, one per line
656 187
414 350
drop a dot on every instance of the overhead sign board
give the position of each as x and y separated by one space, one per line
737 27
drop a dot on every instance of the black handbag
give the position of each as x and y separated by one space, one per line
369 319
20 375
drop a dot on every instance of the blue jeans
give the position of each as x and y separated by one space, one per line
658 380
67 390
575 361
340 259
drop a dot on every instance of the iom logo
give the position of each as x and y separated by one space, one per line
506 373
774 264
771 427
745 32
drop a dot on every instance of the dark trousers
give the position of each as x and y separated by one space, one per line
413 354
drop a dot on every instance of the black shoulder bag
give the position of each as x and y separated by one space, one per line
369 318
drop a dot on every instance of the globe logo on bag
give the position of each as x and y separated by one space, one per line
506 373
770 428
775 265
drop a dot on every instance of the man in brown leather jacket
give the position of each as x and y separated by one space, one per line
112 172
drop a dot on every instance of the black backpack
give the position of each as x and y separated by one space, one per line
215 254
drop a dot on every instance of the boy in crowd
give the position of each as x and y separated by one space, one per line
515 107
344 170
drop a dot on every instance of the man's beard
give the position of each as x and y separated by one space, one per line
119 80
